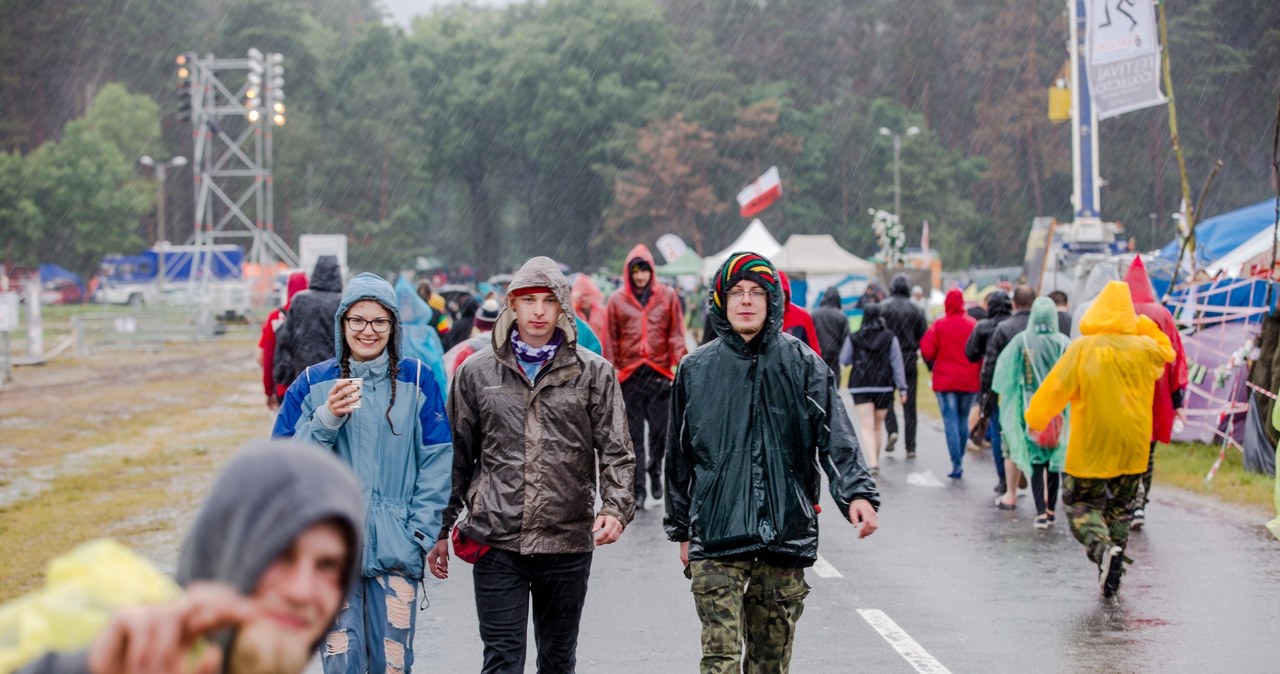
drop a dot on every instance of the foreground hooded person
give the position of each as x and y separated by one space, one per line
278 535
536 421
1108 377
743 486
383 416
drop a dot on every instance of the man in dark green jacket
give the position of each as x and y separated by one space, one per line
752 413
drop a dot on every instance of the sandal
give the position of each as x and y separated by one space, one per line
1005 506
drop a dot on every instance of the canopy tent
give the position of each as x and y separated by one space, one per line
689 263
816 262
755 238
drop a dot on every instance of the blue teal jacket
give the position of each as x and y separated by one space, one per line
404 467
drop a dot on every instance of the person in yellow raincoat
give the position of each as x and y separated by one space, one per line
1108 376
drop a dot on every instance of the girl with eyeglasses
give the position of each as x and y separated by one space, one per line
384 416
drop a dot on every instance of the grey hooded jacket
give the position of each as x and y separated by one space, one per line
525 454
266 496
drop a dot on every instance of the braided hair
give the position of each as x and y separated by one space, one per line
393 365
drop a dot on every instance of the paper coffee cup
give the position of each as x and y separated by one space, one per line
359 382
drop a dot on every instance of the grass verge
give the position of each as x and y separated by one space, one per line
1185 465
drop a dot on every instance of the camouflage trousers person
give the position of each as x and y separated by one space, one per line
1100 510
747 601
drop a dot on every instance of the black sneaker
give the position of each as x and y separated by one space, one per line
655 486
1110 570
1001 488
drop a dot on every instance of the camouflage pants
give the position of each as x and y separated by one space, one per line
1100 510
749 601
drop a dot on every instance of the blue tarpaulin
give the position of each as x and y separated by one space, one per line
1222 234
52 272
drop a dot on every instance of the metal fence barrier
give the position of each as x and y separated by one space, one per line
148 329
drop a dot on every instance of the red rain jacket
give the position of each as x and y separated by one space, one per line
644 334
943 348
797 317
588 303
267 341
1175 373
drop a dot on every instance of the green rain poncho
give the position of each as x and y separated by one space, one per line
1023 364
1274 525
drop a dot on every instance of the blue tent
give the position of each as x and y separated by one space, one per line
52 272
1222 234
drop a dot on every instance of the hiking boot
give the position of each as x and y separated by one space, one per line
1110 570
1139 519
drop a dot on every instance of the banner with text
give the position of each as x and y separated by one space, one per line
1123 56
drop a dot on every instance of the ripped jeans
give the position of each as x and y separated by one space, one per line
374 629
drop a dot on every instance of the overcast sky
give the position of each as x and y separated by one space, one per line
404 10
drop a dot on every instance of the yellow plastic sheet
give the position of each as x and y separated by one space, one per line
82 589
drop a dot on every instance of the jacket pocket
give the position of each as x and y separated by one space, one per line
393 548
726 515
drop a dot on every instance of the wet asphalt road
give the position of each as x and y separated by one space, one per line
976 589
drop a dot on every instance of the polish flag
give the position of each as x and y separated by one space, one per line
760 194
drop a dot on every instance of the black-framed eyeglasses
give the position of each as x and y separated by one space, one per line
379 325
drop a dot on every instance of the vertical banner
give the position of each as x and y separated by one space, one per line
1124 56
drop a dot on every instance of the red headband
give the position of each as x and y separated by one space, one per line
529 291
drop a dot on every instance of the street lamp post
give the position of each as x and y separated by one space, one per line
161 170
897 172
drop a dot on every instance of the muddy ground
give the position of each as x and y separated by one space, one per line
121 445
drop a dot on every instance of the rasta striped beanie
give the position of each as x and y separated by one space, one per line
743 266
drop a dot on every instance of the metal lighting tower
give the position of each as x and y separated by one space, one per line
232 151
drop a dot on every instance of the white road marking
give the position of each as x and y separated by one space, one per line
908 648
823 568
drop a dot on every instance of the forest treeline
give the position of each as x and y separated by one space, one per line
574 128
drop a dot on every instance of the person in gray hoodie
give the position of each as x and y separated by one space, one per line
263 568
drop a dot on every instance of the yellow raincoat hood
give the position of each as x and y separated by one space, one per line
1108 376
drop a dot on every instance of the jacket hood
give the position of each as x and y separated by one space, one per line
297 284
267 495
773 319
786 285
638 252
900 286
1140 283
539 272
999 304
327 275
1102 273
366 286
413 310
586 290
1044 316
831 298
954 303
1111 313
